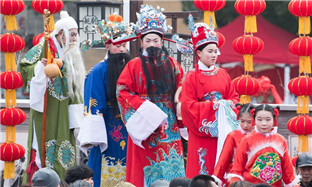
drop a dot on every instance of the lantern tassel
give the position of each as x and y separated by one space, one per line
10 64
9 170
250 24
244 99
10 98
303 143
10 134
304 25
305 64
11 23
248 60
303 105
51 23
207 16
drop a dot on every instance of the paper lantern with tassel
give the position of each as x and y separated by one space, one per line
302 47
10 152
248 45
302 126
245 86
11 43
302 9
10 80
37 38
209 7
9 8
221 39
53 6
301 87
250 9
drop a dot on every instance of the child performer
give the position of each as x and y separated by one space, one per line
262 156
208 97
232 141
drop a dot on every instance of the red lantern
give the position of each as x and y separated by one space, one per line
301 87
302 47
53 6
248 45
9 44
11 80
301 125
221 39
10 8
11 151
12 116
245 86
209 7
37 38
302 9
250 9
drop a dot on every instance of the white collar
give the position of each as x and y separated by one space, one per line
203 67
60 50
145 53
243 131
274 131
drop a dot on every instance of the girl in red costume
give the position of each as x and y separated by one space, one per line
262 156
232 141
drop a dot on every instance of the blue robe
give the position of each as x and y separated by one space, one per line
113 159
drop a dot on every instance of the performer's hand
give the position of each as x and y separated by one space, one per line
44 61
164 126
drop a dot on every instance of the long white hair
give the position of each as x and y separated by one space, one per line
75 69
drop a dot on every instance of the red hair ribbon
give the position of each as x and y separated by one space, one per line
238 108
276 113
252 112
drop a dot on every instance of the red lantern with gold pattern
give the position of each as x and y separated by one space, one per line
12 116
9 8
301 87
11 80
53 6
9 153
302 126
302 47
248 45
209 7
221 39
37 38
9 44
250 9
245 86
302 9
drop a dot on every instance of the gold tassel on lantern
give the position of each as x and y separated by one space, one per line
303 105
10 134
208 15
250 24
10 63
303 143
305 64
9 170
10 22
248 59
10 98
244 99
304 25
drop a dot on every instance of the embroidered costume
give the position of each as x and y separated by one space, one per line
208 97
263 158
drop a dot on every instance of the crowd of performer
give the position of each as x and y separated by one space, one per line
128 115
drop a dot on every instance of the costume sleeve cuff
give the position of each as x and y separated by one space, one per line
295 182
38 85
144 122
232 175
184 133
217 180
92 133
75 115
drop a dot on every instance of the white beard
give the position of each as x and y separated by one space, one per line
75 73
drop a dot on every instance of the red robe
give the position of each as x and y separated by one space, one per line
226 159
263 158
151 153
201 92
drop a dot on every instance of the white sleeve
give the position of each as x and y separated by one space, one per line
75 112
38 85
92 132
147 118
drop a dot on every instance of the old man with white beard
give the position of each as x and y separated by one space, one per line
64 110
